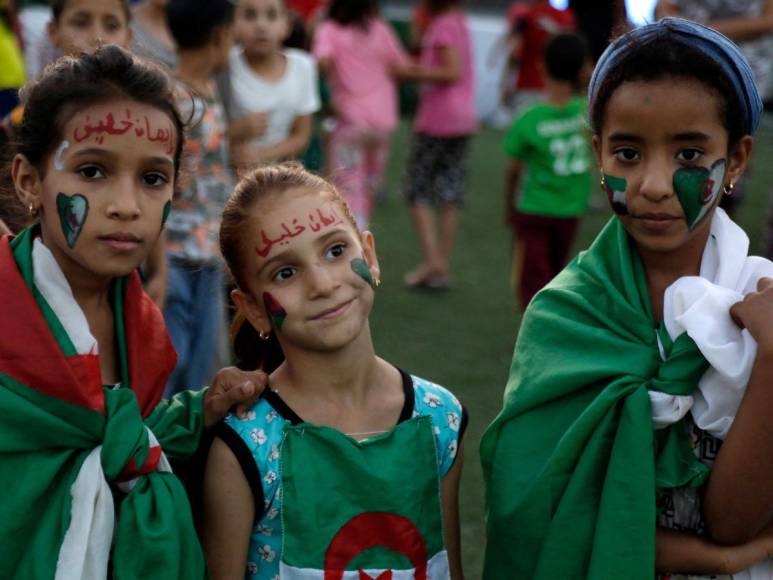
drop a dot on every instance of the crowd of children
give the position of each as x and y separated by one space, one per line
154 160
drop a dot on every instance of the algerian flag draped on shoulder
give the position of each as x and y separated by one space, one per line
63 436
361 510
572 462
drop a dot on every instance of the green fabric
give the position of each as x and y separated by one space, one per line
572 462
319 496
552 142
43 443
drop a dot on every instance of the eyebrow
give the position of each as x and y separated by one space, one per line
684 136
281 256
689 136
104 152
618 137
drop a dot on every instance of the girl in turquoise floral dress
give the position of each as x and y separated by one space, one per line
347 467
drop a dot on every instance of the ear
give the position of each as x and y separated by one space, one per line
27 181
129 38
53 33
252 311
596 142
739 159
369 250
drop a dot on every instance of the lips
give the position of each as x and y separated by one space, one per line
121 241
333 312
656 222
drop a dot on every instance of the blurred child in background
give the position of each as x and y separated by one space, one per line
271 91
550 166
194 298
436 173
359 52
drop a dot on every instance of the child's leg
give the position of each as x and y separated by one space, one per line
208 314
377 154
178 315
451 186
419 192
346 167
564 231
536 266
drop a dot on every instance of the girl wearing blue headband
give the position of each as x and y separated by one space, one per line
635 437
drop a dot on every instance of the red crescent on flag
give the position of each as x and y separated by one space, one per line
371 529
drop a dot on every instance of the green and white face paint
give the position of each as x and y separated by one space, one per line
72 210
698 189
615 188
360 267
58 164
165 215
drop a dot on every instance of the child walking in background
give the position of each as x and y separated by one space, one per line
271 91
549 143
359 54
84 355
370 456
194 299
437 168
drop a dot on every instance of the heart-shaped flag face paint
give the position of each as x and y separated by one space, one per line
615 188
360 268
73 210
697 189
275 310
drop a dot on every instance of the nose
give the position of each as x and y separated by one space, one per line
657 181
320 280
124 203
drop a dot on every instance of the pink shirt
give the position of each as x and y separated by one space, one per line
363 91
447 109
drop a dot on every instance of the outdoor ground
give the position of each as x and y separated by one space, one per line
463 338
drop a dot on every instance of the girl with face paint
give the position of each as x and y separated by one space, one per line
344 451
636 413
84 353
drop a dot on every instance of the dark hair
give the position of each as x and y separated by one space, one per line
69 84
193 22
251 351
352 12
58 6
565 54
435 7
667 58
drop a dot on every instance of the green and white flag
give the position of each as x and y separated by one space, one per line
361 509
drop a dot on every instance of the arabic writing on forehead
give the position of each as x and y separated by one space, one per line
315 221
140 124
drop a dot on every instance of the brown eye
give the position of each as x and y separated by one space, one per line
91 172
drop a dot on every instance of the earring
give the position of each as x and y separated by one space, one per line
33 209
603 183
378 282
264 335
728 189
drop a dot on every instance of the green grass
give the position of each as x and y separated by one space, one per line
463 338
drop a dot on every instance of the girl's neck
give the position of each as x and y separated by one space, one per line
665 268
270 65
345 374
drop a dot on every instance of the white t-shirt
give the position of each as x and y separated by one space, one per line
293 95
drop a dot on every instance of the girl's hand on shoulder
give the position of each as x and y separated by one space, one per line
232 386
755 313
